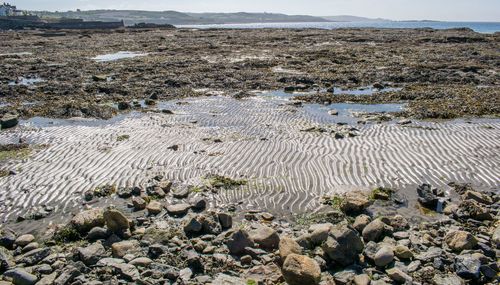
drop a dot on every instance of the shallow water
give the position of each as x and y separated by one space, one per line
24 81
117 56
364 91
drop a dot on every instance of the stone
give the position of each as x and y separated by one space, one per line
355 202
6 261
398 223
223 279
426 196
91 254
7 238
266 237
98 233
210 224
198 203
31 246
495 238
108 261
34 257
333 112
375 230
225 220
288 246
21 277
116 221
467 266
460 240
403 252
127 271
141 262
474 210
361 222
398 275
246 259
384 256
48 279
301 270
319 233
343 245
24 240
429 254
154 208
478 197
139 203
447 279
181 192
120 249
192 225
9 121
238 241
362 279
86 220
178 209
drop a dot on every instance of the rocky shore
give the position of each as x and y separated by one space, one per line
442 73
170 235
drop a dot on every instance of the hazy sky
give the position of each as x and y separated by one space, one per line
451 10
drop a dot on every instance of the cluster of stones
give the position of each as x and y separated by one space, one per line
188 244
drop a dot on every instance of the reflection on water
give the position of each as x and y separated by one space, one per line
364 91
117 56
26 81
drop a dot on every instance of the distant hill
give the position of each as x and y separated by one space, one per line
347 18
131 17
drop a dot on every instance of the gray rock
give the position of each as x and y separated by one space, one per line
223 279
139 203
226 220
34 257
120 249
343 245
141 262
91 254
48 279
108 261
362 279
178 209
430 254
467 266
7 238
495 239
319 233
154 208
116 221
376 230
198 203
86 220
181 192
21 277
384 256
447 279
301 270
24 240
192 225
238 241
98 233
68 274
6 261
460 240
361 222
126 271
426 196
9 121
266 237
398 275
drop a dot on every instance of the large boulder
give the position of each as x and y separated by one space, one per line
238 241
301 270
460 240
426 196
384 256
467 266
21 277
355 202
9 121
86 220
116 221
24 240
265 237
91 254
288 246
343 245
120 249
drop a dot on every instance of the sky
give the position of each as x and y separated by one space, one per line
444 10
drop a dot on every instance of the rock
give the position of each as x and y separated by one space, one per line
91 254
141 262
301 270
267 217
238 241
404 122
478 197
467 266
375 230
24 240
31 246
403 252
86 220
210 224
333 112
139 203
192 225
7 238
6 261
125 192
426 196
223 279
361 222
447 279
178 209
48 279
226 220
123 105
343 245
398 223
362 279
116 221
355 202
429 254
288 246
398 275
34 257
9 121
98 233
384 256
495 238
460 240
127 271
154 208
266 237
181 192
319 233
198 203
474 210
120 249
21 277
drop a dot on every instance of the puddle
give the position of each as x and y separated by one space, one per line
364 91
25 81
117 56
43 122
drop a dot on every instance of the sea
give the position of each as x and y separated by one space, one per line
480 27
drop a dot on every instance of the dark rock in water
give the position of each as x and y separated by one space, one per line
125 192
21 277
426 196
9 121
378 86
168 112
7 239
467 266
124 105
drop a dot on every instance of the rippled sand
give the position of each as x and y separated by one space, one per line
262 140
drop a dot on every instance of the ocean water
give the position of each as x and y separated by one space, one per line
480 27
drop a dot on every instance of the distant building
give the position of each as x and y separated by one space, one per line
9 10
